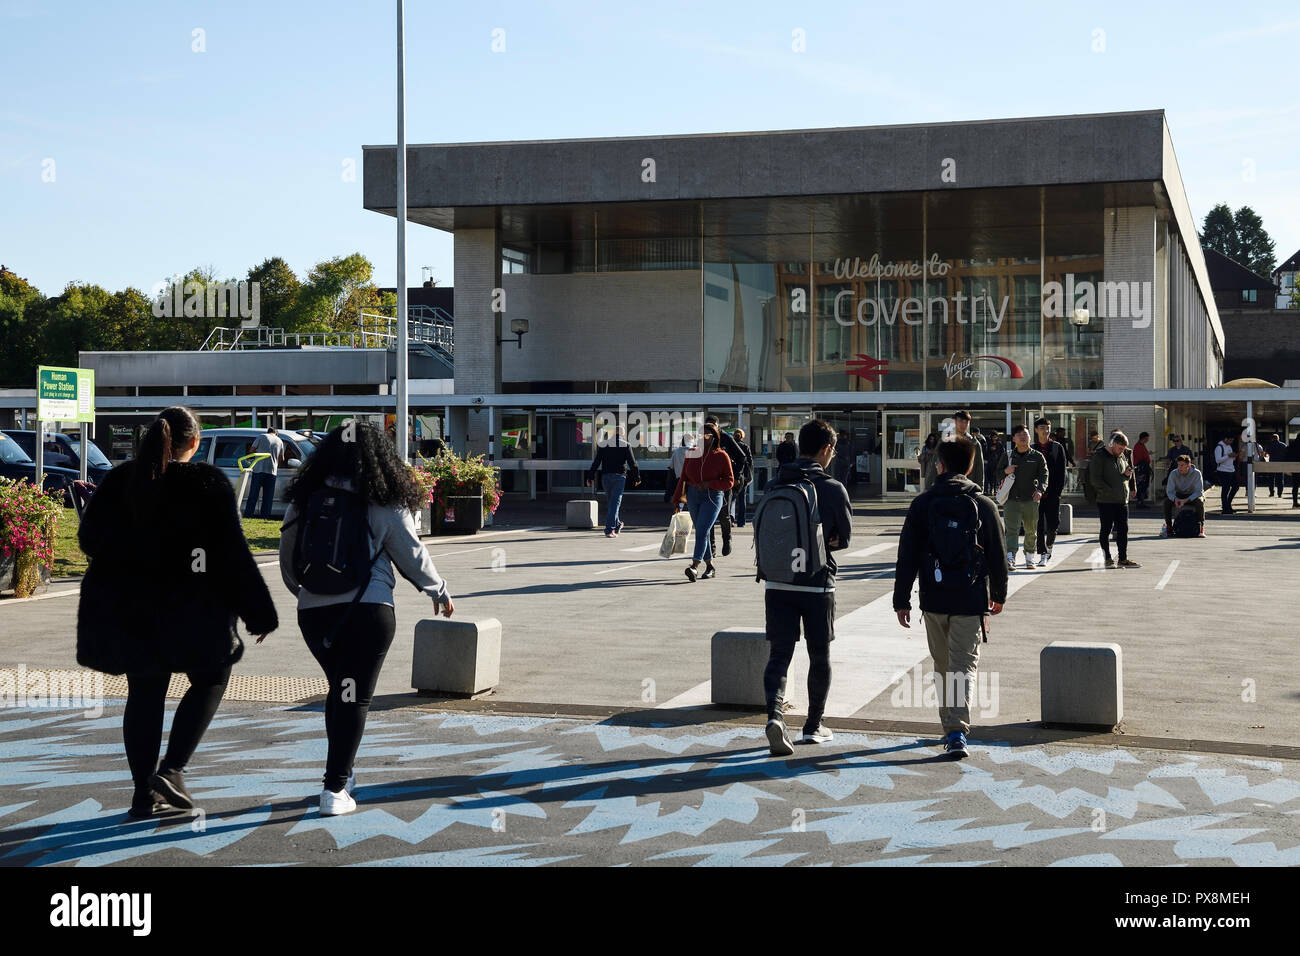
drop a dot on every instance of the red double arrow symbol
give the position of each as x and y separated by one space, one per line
868 367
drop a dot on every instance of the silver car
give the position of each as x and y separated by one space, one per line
223 447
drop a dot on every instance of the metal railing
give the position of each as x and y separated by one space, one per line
428 327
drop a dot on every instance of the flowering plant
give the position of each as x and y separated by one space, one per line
28 520
451 476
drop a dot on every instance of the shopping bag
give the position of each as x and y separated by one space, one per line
1004 489
679 529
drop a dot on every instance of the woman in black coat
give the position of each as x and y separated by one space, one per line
169 573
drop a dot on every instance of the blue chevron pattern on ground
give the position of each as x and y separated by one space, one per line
464 789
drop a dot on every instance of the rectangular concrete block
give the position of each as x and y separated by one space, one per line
1081 684
580 513
456 657
1067 520
739 659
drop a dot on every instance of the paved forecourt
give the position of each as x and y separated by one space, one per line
473 788
590 620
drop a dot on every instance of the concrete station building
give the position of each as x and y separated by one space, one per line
878 277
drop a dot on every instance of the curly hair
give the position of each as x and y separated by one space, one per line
363 453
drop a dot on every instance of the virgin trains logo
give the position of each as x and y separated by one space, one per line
982 366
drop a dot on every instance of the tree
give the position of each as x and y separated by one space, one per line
1219 232
1253 242
20 348
278 290
335 293
1240 236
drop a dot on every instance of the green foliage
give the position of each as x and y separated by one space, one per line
1240 236
36 330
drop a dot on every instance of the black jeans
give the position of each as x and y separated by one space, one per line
1049 522
351 663
142 720
785 609
1227 488
1113 516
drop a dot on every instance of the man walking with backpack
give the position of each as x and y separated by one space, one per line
1049 506
804 515
952 537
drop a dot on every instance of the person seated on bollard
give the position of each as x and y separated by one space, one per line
1186 487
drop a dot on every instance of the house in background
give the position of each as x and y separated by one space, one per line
1284 280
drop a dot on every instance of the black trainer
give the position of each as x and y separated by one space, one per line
170 785
778 738
146 805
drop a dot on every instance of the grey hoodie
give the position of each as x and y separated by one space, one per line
392 537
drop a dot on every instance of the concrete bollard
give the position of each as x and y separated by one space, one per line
456 657
1067 520
739 659
1081 684
580 513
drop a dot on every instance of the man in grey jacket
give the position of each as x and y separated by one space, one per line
1186 488
1109 472
1028 467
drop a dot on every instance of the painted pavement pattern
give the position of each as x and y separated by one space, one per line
484 790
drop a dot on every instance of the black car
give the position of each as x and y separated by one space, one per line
15 463
64 451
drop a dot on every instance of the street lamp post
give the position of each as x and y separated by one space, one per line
403 381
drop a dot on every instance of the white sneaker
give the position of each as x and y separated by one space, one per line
1011 560
1042 560
351 786
335 804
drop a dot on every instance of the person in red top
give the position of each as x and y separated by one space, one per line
1142 468
705 476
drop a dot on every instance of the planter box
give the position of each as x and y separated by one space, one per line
464 515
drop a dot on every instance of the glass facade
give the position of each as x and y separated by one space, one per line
951 291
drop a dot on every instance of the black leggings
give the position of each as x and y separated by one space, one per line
146 700
1228 486
351 663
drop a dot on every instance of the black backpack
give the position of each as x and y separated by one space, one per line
956 559
1185 523
789 547
332 553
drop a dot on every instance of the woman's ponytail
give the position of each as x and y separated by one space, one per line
173 429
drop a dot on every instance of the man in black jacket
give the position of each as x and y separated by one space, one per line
616 463
814 604
737 457
942 533
743 477
787 452
1049 506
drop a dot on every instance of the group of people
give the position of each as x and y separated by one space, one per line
171 572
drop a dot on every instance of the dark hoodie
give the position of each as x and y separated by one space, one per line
833 505
913 549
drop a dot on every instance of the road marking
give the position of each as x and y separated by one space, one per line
644 547
1169 573
870 651
874 549
624 567
444 554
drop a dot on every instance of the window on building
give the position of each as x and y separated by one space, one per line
1249 295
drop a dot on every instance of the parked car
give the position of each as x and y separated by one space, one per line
16 463
64 451
223 447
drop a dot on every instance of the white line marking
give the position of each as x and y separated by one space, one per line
624 567
444 554
644 547
40 597
870 651
1169 573
874 549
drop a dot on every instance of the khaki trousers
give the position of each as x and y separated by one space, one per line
1017 513
955 646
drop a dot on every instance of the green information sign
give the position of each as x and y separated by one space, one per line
65 394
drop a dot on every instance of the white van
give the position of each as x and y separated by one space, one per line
223 447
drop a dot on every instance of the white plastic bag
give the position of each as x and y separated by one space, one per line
679 529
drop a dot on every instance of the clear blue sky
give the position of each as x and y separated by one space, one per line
165 158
